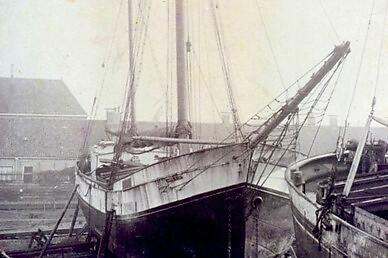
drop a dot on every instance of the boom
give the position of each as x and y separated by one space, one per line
262 133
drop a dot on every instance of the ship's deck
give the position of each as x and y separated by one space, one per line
369 192
368 198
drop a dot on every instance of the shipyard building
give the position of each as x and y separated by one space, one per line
42 127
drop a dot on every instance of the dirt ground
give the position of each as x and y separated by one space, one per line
31 220
13 221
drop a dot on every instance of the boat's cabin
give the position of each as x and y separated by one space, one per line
98 164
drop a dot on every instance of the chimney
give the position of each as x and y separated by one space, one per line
113 118
11 75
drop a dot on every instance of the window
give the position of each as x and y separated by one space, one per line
127 184
7 173
28 174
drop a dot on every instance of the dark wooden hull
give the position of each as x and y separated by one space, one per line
229 222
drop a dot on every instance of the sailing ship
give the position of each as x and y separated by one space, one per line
339 200
341 210
202 203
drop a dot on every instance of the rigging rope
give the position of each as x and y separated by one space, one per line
303 122
322 214
133 73
256 116
182 185
97 97
379 62
325 108
209 80
358 70
167 67
330 21
218 30
139 46
270 44
207 84
277 142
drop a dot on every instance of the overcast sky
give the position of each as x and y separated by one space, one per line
71 40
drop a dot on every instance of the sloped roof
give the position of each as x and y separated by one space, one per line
37 96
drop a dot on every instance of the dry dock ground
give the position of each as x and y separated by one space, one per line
27 208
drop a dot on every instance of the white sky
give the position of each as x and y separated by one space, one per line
70 40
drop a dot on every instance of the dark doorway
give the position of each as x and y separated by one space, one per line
28 174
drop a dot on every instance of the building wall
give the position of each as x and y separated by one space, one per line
12 169
7 168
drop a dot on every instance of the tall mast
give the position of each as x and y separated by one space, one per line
133 129
130 97
183 129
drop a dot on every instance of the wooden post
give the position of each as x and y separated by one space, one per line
357 157
57 224
106 234
75 215
31 240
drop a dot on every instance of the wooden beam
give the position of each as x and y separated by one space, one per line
178 140
357 157
57 224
